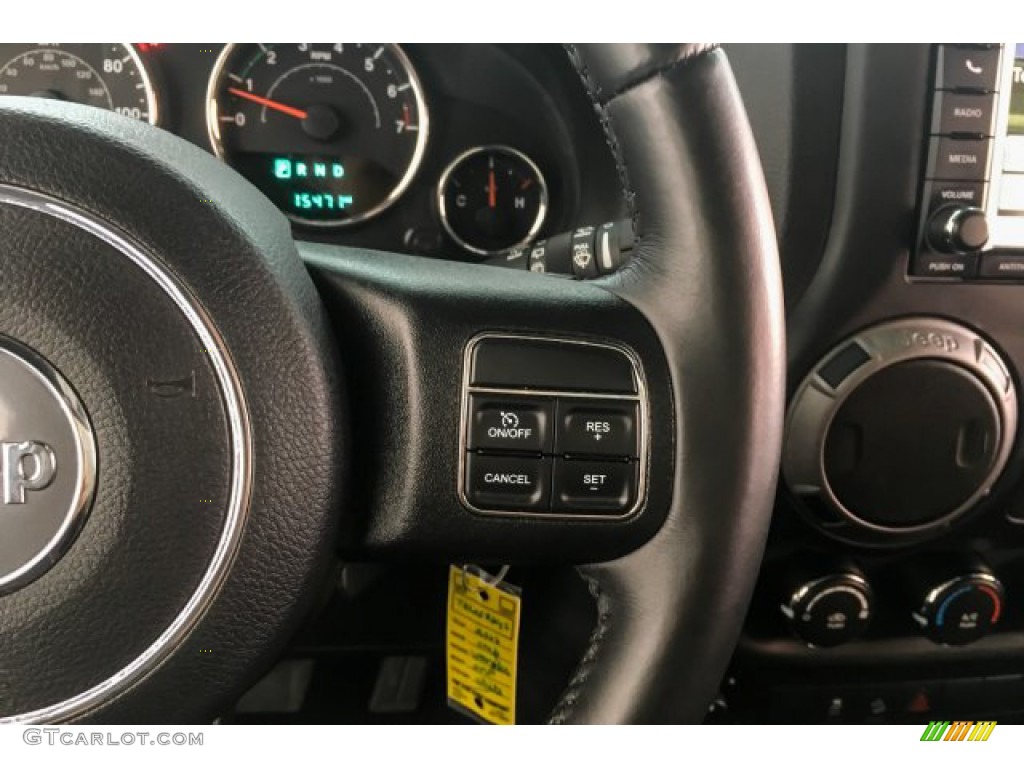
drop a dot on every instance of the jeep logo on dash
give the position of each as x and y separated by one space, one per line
931 340
25 466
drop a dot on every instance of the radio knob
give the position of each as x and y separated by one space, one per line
831 610
962 609
956 229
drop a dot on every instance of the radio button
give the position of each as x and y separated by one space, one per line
968 67
960 159
963 113
967 193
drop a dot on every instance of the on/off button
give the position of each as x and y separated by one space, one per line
510 423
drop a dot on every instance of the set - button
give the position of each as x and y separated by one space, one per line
560 454
595 487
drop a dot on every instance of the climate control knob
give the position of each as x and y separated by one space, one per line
958 229
830 610
962 609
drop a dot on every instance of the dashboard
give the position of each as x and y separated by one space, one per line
891 588
458 152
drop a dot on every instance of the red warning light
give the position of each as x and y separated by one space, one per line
919 704
148 47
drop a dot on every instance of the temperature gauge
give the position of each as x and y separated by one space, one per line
492 199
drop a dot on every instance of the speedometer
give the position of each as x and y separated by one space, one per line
332 133
106 75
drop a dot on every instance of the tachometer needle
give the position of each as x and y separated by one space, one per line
492 190
283 108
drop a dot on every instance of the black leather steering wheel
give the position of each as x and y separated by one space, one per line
245 425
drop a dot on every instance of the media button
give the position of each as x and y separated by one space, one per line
960 159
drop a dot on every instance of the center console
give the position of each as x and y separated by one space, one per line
893 584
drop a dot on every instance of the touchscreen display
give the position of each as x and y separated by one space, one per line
1016 123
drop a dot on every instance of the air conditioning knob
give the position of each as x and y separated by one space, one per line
962 609
831 610
958 229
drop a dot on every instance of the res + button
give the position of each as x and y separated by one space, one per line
596 427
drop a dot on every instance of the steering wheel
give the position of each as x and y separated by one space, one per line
195 420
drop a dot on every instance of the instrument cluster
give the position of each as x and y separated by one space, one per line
456 151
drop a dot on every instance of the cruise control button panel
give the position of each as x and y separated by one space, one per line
548 439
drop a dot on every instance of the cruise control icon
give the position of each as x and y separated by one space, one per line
509 429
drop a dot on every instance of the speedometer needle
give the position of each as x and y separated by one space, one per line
283 108
492 190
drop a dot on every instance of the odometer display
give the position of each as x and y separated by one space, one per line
332 133
109 76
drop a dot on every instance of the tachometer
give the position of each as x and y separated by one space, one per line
332 133
105 75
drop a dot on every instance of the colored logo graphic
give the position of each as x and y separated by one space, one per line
961 730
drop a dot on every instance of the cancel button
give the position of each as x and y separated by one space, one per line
508 483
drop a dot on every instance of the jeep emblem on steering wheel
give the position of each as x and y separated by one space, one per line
25 466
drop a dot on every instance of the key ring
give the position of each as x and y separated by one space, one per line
483 575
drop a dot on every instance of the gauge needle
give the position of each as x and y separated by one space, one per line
284 108
492 190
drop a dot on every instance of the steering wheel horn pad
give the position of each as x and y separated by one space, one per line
202 498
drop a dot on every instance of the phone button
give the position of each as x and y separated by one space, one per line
972 68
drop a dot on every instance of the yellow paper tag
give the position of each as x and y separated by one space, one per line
482 646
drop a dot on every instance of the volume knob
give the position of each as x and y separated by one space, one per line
956 229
